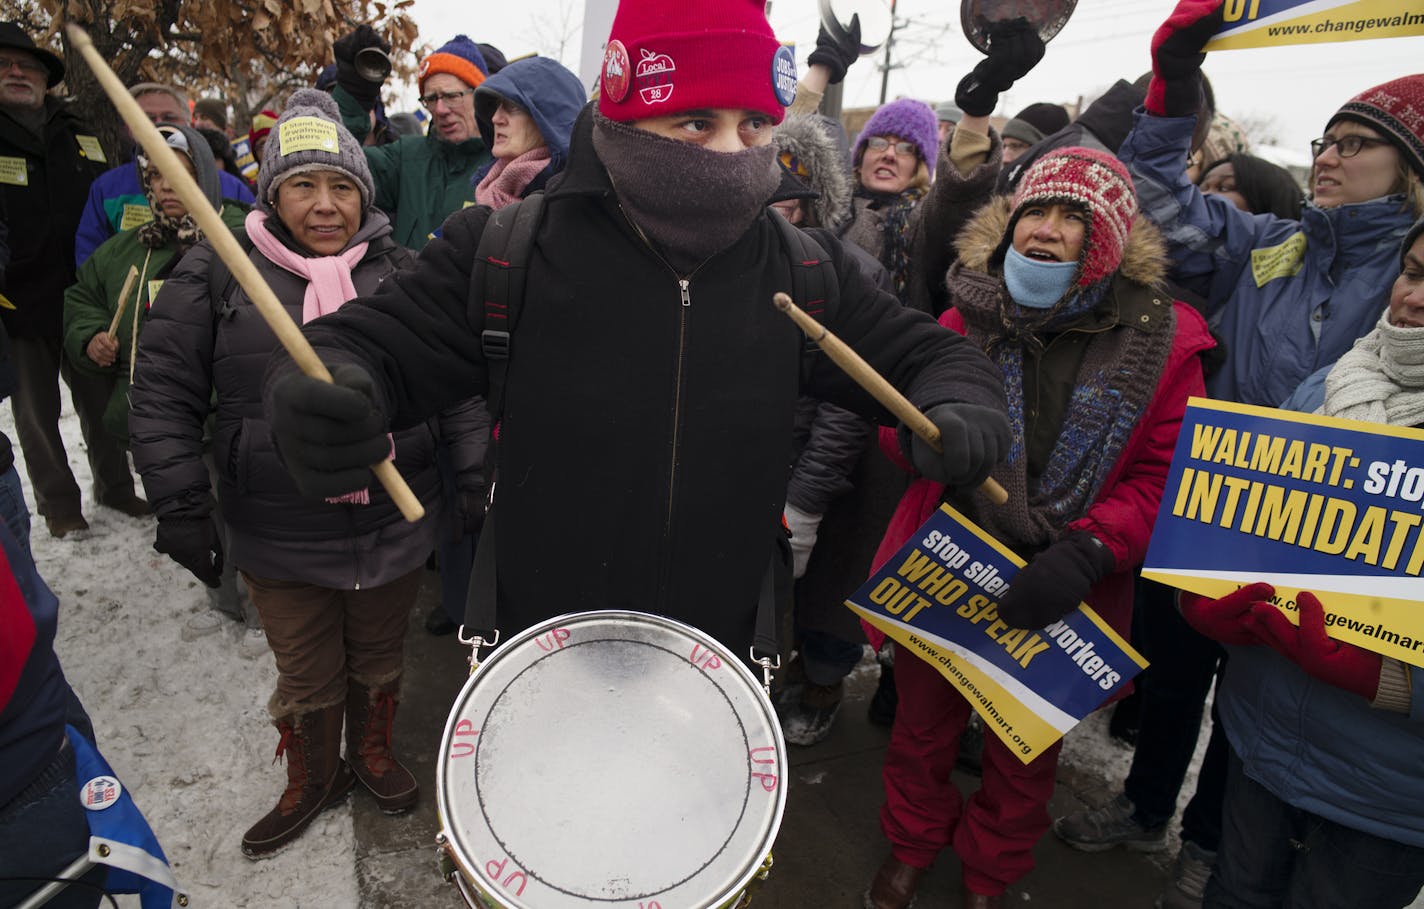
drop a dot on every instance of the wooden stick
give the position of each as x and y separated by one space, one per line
123 299
865 375
227 247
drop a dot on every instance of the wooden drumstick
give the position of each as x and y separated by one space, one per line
865 375
227 248
123 300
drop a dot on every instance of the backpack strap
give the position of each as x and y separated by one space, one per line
815 286
497 285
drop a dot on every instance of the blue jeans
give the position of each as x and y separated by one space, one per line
42 831
1274 855
14 511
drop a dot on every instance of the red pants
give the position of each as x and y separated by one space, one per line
995 830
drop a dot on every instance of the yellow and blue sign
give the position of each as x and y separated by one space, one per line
1303 502
938 598
1271 23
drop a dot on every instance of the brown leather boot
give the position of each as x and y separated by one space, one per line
317 778
974 900
894 885
370 713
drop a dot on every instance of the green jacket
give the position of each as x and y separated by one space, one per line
90 302
420 180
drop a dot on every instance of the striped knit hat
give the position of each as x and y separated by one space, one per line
460 57
1396 110
1094 181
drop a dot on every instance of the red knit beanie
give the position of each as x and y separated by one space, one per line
668 56
1395 110
1099 184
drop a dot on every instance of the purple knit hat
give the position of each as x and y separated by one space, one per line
911 120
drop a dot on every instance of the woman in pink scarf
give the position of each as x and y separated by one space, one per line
333 580
526 113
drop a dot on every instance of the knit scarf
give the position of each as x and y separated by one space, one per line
1380 379
506 180
693 203
1117 378
165 229
329 286
895 210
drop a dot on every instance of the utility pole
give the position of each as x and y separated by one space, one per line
889 43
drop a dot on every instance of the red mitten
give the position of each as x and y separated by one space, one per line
1228 619
1175 89
1309 647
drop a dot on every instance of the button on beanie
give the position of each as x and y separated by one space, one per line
1396 110
460 57
664 57
309 136
1094 181
911 120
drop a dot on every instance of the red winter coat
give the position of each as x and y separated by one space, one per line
1126 506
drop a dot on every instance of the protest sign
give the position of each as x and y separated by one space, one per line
1302 502
1272 23
938 598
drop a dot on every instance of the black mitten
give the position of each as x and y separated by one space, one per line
192 543
837 56
1014 49
329 433
973 438
345 49
471 516
1055 581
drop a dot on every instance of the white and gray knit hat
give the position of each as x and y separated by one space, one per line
310 136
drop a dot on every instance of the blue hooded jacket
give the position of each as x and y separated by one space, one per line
1287 297
549 91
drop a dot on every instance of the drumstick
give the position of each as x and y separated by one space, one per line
865 375
227 248
123 299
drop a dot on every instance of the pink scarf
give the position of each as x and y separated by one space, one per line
328 287
328 277
507 179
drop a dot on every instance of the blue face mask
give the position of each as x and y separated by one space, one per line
1034 283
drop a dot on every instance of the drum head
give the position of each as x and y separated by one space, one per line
611 758
1048 16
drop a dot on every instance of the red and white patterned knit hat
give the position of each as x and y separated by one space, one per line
1099 184
1396 110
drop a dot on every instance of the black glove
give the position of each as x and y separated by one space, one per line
1014 49
1055 581
1175 89
329 434
345 49
192 543
471 515
837 56
974 439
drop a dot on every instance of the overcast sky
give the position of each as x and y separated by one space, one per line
1299 87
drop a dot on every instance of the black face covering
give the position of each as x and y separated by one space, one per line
690 202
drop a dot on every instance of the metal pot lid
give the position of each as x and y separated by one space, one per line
976 16
875 19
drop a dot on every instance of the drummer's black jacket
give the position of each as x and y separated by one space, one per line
645 439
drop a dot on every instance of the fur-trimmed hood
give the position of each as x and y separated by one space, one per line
808 138
1144 259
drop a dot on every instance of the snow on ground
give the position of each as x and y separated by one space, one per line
184 725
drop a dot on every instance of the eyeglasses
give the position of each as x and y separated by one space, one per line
26 64
450 98
902 148
1345 146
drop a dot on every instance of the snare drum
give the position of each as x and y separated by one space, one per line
610 759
